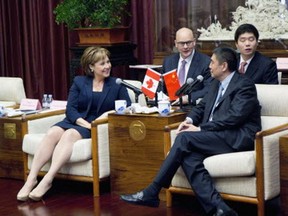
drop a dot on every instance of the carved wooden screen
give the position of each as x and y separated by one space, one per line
170 15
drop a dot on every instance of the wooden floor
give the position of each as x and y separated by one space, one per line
75 199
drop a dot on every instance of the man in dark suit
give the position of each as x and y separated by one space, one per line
261 69
195 63
225 120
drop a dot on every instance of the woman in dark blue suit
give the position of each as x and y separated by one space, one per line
90 97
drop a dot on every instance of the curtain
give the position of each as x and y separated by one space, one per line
34 47
142 30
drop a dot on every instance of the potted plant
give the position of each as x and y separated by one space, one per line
87 15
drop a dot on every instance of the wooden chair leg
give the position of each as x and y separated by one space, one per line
261 208
168 198
96 188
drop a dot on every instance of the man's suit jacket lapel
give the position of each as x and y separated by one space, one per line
253 66
214 88
196 61
230 87
211 100
174 62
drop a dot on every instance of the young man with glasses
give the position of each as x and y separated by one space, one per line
189 63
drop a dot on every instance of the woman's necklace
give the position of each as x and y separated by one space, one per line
98 86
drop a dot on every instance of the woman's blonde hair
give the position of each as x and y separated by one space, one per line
92 55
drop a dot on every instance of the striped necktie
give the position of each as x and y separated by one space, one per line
219 96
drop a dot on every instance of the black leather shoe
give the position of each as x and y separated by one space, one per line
221 212
139 199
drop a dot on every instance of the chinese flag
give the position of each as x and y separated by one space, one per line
150 83
172 83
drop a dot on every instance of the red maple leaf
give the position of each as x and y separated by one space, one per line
149 83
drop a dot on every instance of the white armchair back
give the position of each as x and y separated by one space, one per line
12 91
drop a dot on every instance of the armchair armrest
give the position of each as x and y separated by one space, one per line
271 131
259 150
41 122
95 132
170 127
259 142
98 122
167 137
42 114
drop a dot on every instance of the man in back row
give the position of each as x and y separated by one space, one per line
189 63
261 69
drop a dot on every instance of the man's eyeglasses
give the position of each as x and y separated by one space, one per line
183 43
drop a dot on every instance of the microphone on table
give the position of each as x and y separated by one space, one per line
189 89
127 85
184 87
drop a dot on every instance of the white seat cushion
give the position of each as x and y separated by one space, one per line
231 164
81 148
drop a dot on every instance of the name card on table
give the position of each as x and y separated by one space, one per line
282 63
58 105
30 104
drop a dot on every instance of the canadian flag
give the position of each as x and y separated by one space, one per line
172 83
150 83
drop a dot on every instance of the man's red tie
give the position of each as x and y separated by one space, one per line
242 67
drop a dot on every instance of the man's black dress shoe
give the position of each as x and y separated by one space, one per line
230 212
139 199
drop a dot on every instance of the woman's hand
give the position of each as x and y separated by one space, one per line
83 123
105 115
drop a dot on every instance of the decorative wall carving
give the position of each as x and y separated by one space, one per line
269 16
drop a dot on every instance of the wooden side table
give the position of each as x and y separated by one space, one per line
283 141
136 145
12 131
11 155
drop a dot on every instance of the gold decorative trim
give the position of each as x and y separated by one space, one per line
10 130
137 130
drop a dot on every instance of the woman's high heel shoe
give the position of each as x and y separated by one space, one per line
37 197
23 197
23 194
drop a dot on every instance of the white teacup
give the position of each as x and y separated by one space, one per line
164 107
120 106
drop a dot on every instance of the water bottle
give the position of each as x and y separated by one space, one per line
2 110
44 101
49 101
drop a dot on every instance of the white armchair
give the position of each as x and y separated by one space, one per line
11 91
90 160
251 176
